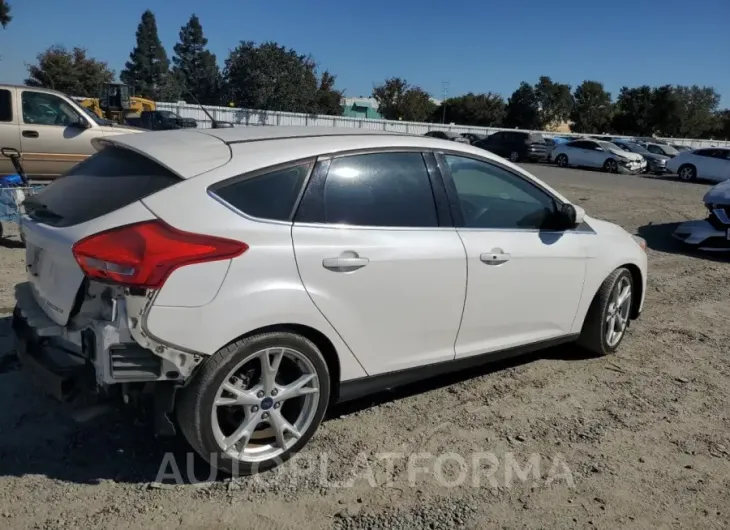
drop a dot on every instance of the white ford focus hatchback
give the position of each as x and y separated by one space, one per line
251 277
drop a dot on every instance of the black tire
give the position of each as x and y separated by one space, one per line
610 166
687 172
195 403
514 157
1 230
562 160
593 334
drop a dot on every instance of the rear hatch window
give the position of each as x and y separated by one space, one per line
536 138
107 181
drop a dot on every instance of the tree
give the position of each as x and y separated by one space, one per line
71 72
397 100
664 112
5 17
148 69
271 77
554 102
195 68
482 110
522 108
592 108
329 100
633 111
696 110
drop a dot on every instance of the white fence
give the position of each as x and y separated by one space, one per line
250 117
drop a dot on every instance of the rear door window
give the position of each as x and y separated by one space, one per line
378 189
105 182
269 196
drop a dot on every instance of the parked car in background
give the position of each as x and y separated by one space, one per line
51 132
474 137
161 120
447 135
711 163
713 232
660 148
597 154
655 163
681 148
516 146
210 276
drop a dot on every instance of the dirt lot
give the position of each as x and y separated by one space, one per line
637 440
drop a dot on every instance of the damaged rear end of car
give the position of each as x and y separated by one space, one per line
96 260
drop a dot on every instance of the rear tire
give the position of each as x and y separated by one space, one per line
609 312
230 395
687 172
514 157
561 160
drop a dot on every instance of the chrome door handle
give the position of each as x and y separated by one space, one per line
496 257
344 263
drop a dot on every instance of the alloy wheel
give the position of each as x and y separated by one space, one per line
514 156
265 404
618 311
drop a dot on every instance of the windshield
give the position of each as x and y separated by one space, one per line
167 114
668 149
635 148
608 146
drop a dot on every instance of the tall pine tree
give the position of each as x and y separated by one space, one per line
195 67
148 69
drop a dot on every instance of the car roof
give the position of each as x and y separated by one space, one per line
190 152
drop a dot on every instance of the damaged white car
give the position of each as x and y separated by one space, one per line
248 278
713 232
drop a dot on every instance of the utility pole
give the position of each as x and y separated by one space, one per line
444 91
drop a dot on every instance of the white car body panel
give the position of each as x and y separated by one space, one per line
509 304
404 309
400 310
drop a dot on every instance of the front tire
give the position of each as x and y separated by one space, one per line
610 166
256 402
608 317
514 157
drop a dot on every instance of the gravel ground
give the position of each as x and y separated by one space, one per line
636 440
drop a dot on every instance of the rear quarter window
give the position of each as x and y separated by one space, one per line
105 182
268 196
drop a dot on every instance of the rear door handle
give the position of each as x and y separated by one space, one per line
30 134
495 257
344 263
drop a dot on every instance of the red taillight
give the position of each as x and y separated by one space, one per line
145 254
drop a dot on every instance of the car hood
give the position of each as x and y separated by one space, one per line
719 194
627 155
604 227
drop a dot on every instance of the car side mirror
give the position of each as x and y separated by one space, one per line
81 123
571 216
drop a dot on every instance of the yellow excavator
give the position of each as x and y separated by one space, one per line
117 103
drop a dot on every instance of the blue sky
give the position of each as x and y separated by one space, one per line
475 45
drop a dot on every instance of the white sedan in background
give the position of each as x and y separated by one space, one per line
597 154
711 163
